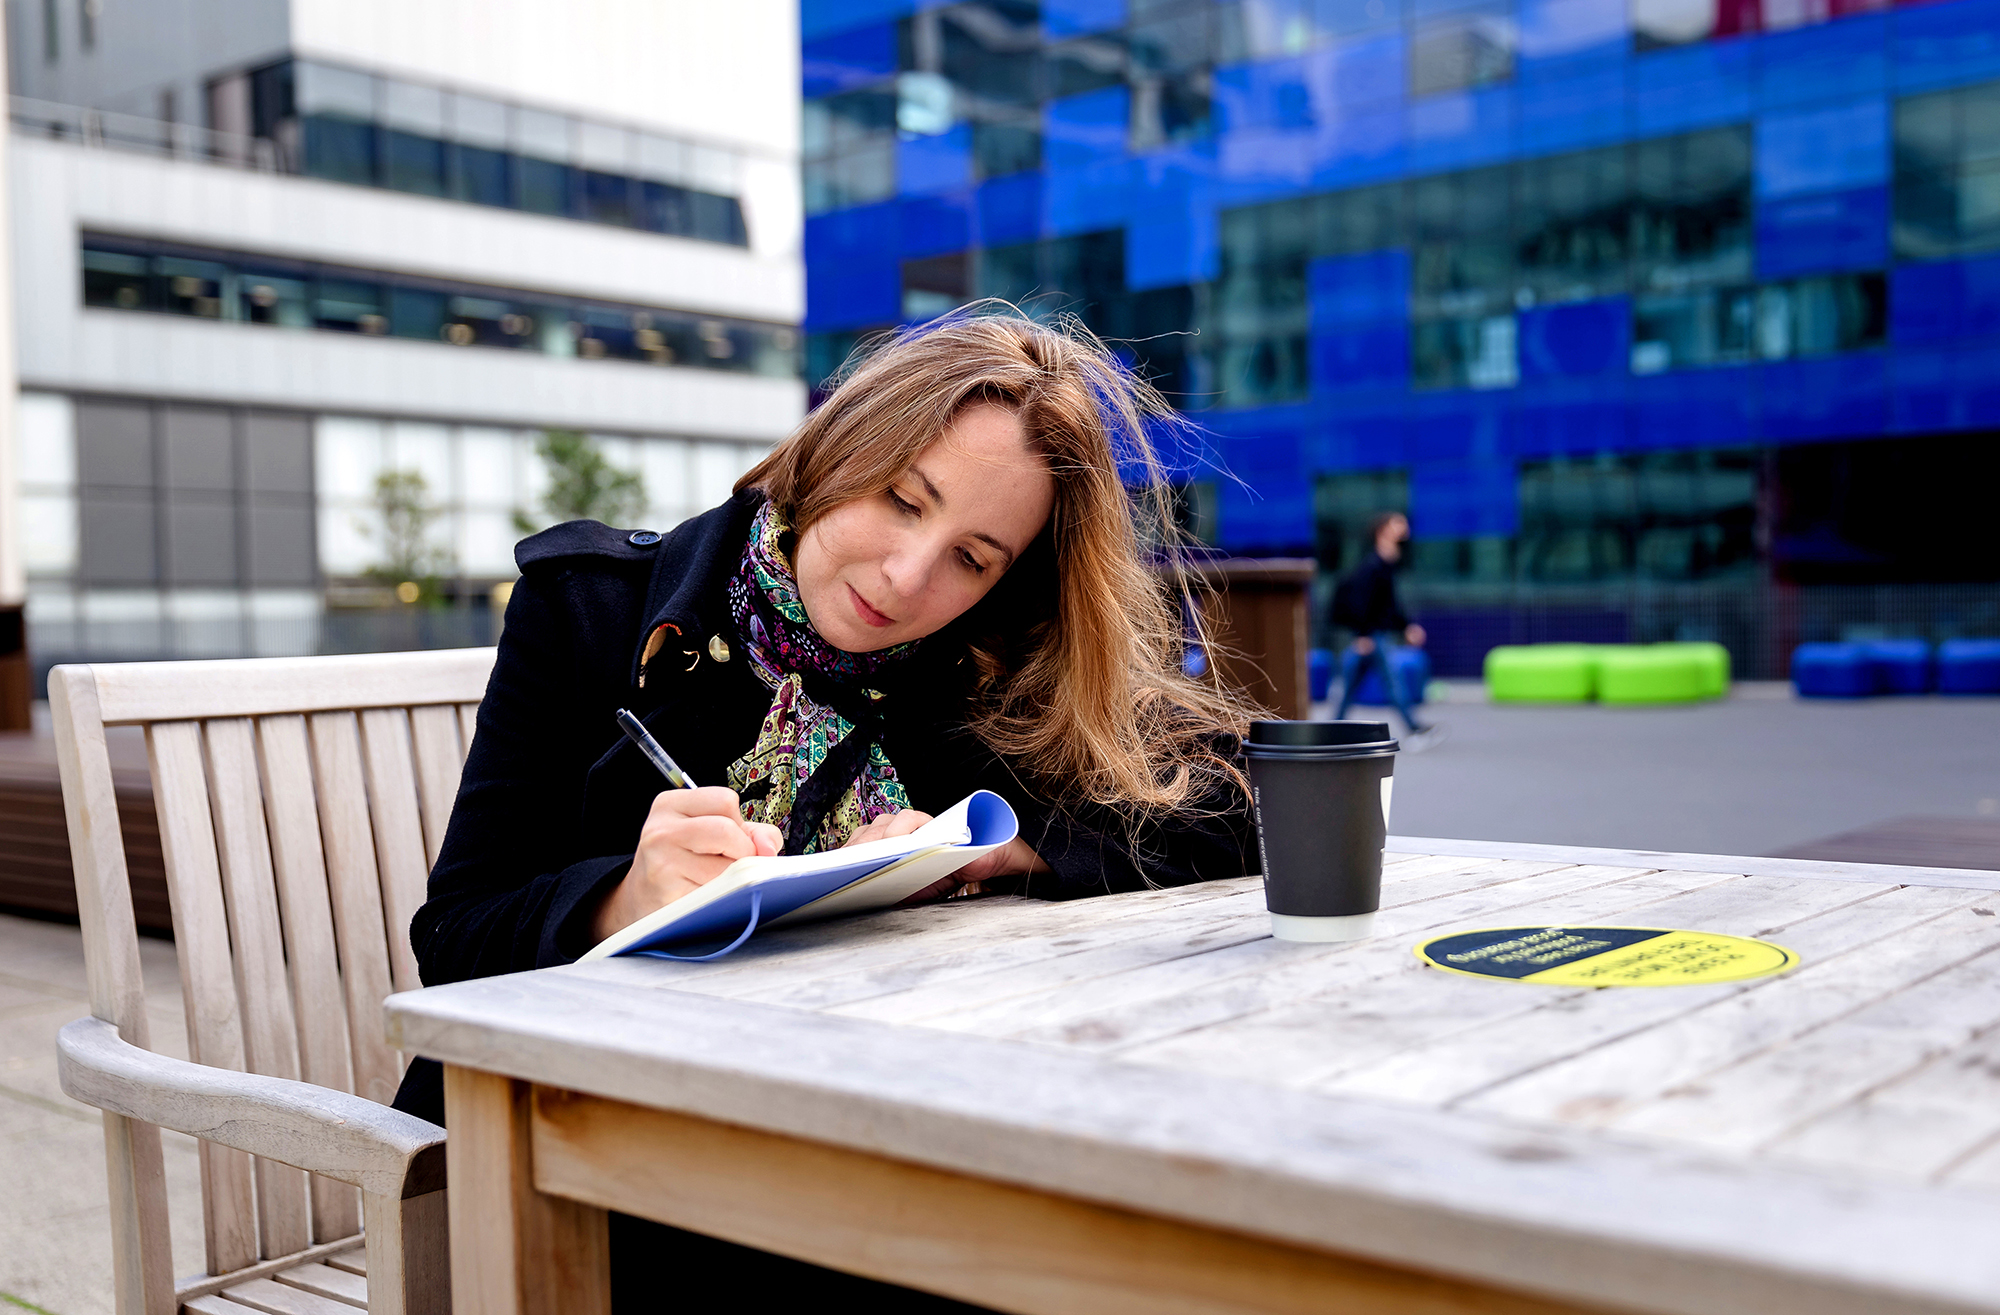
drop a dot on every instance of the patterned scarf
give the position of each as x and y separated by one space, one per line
804 735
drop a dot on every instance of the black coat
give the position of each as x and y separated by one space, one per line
1365 601
553 796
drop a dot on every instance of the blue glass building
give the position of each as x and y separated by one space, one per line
1661 318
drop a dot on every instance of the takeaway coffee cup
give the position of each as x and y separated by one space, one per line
1321 790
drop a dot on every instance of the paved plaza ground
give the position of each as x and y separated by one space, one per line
55 1230
1756 774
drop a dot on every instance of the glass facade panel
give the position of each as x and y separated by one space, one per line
1572 218
1470 47
352 127
129 275
1947 173
1526 259
1690 216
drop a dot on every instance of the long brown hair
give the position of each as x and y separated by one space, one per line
1079 648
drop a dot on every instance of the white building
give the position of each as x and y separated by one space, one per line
265 250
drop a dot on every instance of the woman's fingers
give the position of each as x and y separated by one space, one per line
901 824
703 801
895 824
726 836
769 839
680 867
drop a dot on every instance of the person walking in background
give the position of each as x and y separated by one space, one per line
1365 602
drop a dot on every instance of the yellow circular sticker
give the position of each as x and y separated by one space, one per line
1605 956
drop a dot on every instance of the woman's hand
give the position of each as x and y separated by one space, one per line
1014 858
889 824
689 837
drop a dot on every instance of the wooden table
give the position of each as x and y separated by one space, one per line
1144 1104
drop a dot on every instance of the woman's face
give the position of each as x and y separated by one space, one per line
905 563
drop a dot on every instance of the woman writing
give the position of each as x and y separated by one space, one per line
936 585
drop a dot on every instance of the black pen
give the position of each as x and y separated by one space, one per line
636 732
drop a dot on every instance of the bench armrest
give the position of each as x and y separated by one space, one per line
349 1138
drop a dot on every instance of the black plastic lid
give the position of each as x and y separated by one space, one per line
1313 734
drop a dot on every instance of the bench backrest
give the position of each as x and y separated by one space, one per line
301 802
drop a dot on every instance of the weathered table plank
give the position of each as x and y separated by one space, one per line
1288 990
1556 1025
1923 1125
1602 1084
1824 1141
1014 1001
1758 1100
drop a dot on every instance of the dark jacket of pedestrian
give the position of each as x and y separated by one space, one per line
1365 600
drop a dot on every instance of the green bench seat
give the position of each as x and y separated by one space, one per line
1540 673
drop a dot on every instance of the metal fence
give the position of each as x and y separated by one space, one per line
160 137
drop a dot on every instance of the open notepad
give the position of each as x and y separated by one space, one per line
757 892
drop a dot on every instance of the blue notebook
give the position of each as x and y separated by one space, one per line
759 892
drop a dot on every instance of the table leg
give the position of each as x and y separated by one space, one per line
514 1250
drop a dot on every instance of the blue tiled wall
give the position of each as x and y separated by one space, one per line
1818 99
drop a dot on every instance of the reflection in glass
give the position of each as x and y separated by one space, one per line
190 287
1090 64
605 198
1805 317
349 306
1691 209
1572 214
989 50
541 186
1947 179
1171 109
116 279
347 126
413 164
126 274
1463 259
1678 515
265 298
1174 44
339 149
923 104
1259 371
416 313
1658 23
933 286
1470 48
999 149
1464 353
482 176
850 150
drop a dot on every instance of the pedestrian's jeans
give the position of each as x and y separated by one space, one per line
1354 664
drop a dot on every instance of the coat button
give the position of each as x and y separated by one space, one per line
642 538
718 648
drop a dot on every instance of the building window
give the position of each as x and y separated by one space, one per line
849 149
127 274
1665 222
350 126
1803 317
1947 153
1470 48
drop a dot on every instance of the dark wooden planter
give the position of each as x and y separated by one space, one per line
34 838
1258 617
